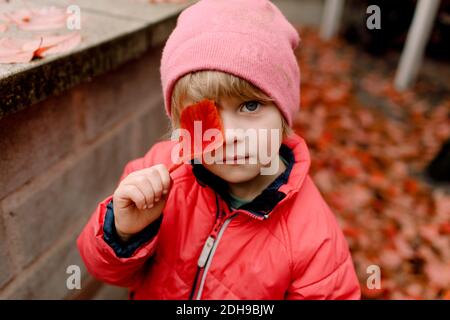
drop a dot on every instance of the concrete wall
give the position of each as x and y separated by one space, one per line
58 159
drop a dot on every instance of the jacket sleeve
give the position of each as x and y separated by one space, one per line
126 249
326 271
105 257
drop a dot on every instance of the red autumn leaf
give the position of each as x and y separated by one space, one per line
444 228
58 44
16 50
446 295
23 50
351 232
410 186
197 119
372 293
351 171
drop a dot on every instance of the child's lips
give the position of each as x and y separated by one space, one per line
235 158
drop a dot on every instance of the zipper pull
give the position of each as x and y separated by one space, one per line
206 251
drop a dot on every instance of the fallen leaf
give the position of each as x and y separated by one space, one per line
44 18
24 50
16 50
58 44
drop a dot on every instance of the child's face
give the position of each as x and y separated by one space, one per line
253 134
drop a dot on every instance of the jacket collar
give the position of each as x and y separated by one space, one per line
294 150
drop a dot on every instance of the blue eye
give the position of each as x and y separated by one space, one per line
250 106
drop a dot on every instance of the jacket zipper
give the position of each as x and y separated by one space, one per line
197 273
208 248
205 259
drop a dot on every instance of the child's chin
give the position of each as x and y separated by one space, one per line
239 173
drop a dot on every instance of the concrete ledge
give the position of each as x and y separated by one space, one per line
113 31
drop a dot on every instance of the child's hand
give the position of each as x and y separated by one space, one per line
139 199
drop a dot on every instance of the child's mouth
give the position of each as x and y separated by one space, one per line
234 159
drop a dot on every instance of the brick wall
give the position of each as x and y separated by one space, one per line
58 159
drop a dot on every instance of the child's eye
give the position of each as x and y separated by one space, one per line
250 106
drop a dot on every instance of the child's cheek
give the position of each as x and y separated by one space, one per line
268 145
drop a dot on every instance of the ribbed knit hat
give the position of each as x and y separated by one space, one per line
250 39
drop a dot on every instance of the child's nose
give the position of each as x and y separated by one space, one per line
230 126
229 120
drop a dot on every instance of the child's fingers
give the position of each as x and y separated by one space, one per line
153 183
165 177
155 180
130 192
143 183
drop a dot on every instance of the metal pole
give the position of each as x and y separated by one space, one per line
331 18
417 39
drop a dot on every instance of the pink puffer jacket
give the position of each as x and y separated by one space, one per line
285 244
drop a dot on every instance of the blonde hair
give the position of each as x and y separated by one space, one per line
208 84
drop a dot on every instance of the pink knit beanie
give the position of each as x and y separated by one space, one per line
250 39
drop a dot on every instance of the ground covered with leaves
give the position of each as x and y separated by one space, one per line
369 147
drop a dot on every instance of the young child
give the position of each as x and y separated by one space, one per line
224 230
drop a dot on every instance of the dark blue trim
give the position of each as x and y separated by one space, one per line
283 178
126 249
